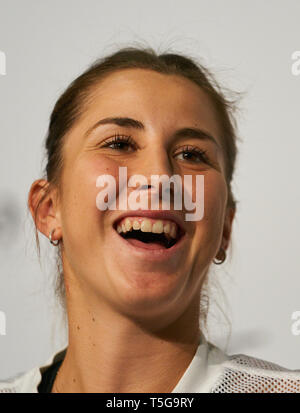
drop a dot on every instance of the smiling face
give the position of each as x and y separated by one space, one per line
99 264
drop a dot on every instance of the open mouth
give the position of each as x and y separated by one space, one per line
149 233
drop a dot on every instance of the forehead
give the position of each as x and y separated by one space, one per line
159 100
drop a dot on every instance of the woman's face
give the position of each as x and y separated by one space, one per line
98 262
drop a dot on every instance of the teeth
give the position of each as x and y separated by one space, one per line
173 230
167 228
136 224
147 225
158 227
170 229
128 225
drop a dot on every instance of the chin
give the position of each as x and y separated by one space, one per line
147 291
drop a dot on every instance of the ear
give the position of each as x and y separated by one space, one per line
227 228
44 208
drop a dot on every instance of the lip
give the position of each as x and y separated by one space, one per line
154 215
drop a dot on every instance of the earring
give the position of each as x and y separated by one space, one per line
50 239
222 259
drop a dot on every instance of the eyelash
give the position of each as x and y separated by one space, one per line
120 139
195 151
129 141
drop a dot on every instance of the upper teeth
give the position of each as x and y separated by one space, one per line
156 226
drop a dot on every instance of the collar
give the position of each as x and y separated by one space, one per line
204 369
201 374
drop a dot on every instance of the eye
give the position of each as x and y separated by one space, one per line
120 142
192 154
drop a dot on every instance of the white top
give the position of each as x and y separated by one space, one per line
210 371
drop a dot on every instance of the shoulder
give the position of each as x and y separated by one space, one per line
28 382
246 374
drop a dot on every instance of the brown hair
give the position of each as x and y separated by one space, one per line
70 106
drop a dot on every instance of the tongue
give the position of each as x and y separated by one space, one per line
148 245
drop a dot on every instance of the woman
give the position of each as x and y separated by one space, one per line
134 279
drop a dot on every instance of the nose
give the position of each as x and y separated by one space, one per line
156 162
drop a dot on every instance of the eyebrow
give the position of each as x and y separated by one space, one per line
136 124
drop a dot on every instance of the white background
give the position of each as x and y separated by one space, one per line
248 45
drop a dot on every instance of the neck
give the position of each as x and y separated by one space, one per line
109 352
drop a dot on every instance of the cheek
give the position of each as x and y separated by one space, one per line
80 213
209 229
215 200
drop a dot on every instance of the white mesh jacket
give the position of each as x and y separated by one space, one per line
210 371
